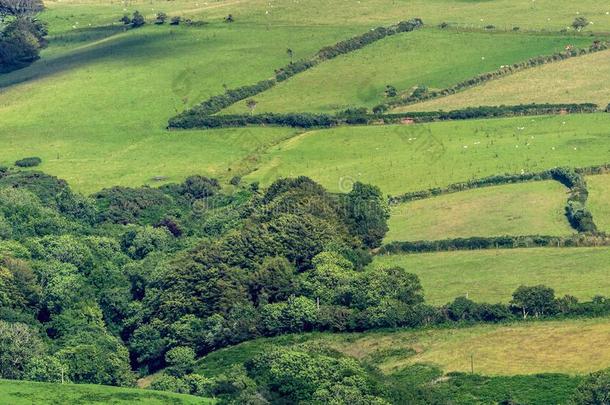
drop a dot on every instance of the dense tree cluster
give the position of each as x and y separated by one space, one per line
143 277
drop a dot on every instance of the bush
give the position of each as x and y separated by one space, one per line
170 383
125 19
137 20
28 162
161 18
175 20
180 361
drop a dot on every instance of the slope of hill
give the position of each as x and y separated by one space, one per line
404 61
536 208
493 275
599 189
574 80
25 392
401 158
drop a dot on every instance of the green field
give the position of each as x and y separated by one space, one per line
95 106
599 200
574 80
403 61
401 158
26 393
96 114
536 208
493 275
570 347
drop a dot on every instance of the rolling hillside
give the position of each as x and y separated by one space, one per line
570 81
536 208
22 393
492 276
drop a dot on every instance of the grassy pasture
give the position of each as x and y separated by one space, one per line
94 108
570 347
26 393
493 275
599 200
436 58
544 14
575 80
403 158
96 114
514 209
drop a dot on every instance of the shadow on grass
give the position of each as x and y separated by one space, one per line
87 34
128 47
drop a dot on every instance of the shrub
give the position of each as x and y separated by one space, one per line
137 20
161 18
235 181
390 91
175 20
170 383
125 19
579 23
180 361
28 162
593 390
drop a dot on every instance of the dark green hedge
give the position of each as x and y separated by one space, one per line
200 119
495 242
467 185
579 216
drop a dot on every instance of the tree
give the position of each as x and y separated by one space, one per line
180 361
229 18
251 104
137 20
579 23
19 345
273 281
367 213
537 300
175 20
20 8
594 390
390 91
20 41
290 54
161 18
125 19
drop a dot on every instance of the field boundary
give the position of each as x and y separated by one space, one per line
423 94
217 103
495 242
577 214
361 117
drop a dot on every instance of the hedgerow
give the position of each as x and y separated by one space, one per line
193 119
495 242
485 77
219 102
